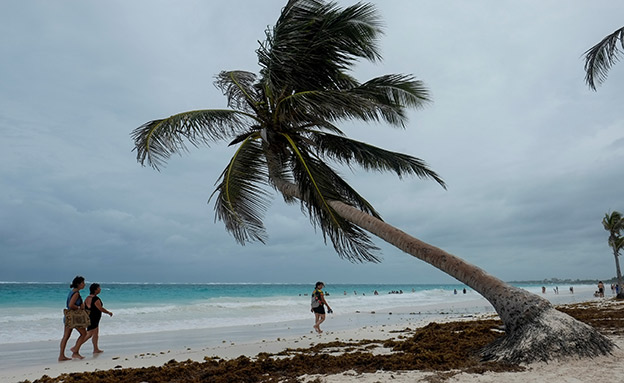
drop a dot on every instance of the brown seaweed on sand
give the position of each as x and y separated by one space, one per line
446 347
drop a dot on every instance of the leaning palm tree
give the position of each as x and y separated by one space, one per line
284 123
601 57
614 224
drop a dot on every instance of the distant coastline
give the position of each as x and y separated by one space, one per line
527 282
551 281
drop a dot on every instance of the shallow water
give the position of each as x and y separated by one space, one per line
156 318
148 308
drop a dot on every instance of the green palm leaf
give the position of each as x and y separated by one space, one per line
369 157
344 190
317 187
241 196
155 141
240 89
617 244
613 222
314 43
381 99
601 57
393 94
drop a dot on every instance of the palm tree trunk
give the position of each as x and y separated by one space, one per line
534 329
620 294
613 242
514 305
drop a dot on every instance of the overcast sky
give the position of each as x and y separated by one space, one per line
532 158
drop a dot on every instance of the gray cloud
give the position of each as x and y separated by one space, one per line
531 155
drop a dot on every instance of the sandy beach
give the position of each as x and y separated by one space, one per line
32 361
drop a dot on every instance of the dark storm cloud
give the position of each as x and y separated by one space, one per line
531 155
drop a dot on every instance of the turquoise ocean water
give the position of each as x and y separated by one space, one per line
32 312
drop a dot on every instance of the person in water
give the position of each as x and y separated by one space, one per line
319 311
74 302
94 303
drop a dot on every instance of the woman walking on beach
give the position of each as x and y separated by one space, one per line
94 303
318 306
74 302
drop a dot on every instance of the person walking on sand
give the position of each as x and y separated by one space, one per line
318 306
74 302
94 303
600 289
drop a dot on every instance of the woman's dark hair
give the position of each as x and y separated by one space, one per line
318 284
93 287
78 280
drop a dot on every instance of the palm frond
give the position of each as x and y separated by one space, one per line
349 152
155 141
347 194
383 98
317 187
617 244
323 124
242 137
392 94
239 88
242 196
601 57
313 43
613 222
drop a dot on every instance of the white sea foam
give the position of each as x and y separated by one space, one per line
40 323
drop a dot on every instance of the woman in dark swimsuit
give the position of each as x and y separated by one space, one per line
74 302
319 311
94 303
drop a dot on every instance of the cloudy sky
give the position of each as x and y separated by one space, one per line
532 158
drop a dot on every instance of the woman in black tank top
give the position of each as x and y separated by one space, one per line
94 303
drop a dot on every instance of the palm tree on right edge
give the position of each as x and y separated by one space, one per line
614 224
284 125
601 57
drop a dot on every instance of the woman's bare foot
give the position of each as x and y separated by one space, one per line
63 358
317 329
76 355
97 351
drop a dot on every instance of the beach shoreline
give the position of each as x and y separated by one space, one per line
31 361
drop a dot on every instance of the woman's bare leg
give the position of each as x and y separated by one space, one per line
320 318
66 334
95 337
76 349
89 335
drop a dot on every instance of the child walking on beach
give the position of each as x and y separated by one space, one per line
318 306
